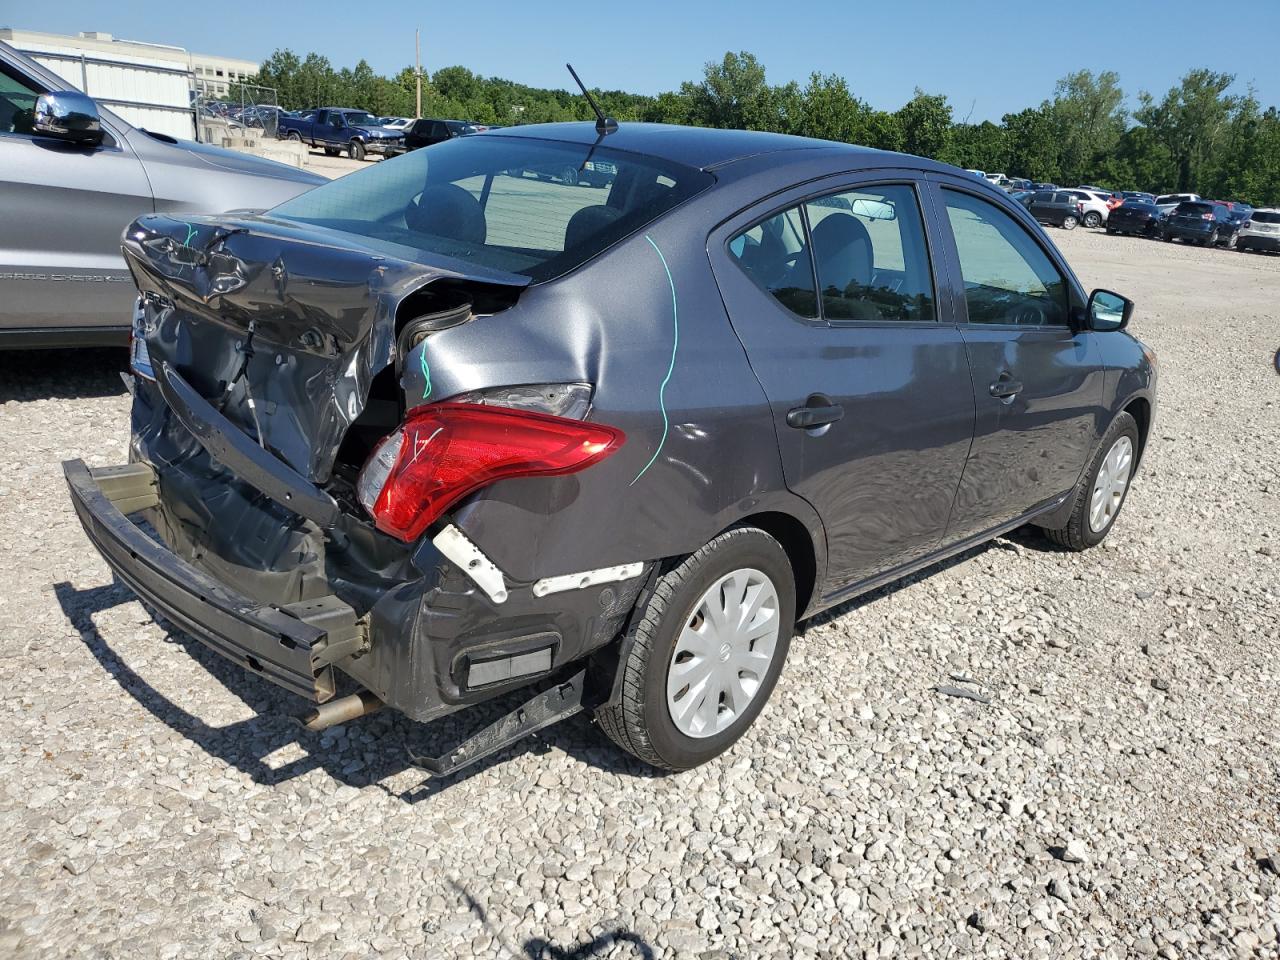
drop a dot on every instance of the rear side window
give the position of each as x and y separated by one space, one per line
1264 216
870 254
1008 278
775 254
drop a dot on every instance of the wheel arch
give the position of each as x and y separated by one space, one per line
1140 409
798 543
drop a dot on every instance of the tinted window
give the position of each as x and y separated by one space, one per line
1194 209
17 103
871 258
775 254
1008 278
1264 216
494 201
1042 197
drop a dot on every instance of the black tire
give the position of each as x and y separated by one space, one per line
569 176
331 152
1070 222
1111 231
1077 534
640 722
1093 219
295 136
355 150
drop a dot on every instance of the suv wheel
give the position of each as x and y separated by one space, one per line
1070 222
1101 490
356 150
705 653
1092 219
1232 241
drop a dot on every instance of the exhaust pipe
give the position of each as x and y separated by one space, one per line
340 711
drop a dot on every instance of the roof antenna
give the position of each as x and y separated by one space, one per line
603 124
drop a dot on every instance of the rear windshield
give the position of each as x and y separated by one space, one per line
537 208
1197 208
1264 216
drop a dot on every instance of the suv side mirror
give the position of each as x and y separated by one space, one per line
1108 311
68 115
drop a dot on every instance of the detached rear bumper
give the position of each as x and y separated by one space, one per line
292 647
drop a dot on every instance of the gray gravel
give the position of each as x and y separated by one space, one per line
1111 791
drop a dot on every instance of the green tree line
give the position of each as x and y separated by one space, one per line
1201 135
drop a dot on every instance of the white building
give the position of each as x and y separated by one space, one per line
150 85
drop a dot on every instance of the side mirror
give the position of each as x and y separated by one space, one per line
1108 311
68 115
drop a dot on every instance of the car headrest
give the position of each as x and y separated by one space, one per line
842 249
447 210
588 221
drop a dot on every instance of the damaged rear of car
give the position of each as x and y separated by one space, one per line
394 428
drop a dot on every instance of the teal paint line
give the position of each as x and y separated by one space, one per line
675 345
426 372
191 232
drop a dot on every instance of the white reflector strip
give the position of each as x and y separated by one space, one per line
577 581
453 543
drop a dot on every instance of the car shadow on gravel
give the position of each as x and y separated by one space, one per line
248 745
62 374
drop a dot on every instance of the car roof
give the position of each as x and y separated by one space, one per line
703 147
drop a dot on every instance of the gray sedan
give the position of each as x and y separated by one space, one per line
451 431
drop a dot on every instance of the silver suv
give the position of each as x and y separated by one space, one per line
72 177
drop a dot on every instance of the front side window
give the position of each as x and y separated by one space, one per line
1008 278
775 254
507 203
870 254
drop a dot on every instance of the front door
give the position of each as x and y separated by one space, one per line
65 208
834 296
1038 382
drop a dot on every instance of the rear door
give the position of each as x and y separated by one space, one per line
868 383
64 209
1037 381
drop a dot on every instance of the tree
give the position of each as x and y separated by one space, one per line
1033 144
1190 121
926 124
1089 117
826 109
733 94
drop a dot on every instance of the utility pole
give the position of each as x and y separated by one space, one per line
417 69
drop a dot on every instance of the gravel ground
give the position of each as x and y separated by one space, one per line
1111 792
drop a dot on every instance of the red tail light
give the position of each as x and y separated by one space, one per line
447 450
1206 216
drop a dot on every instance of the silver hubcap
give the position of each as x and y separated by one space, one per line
1110 484
723 653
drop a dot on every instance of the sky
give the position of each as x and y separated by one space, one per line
987 64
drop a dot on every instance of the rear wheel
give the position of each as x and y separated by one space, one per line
332 152
1092 219
1070 222
706 652
1101 490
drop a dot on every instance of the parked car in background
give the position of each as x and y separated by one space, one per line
1056 207
73 175
1260 232
395 123
1136 217
1022 196
995 178
1044 186
981 175
429 130
1018 183
1202 222
340 130
466 401
1166 202
1092 206
1127 195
